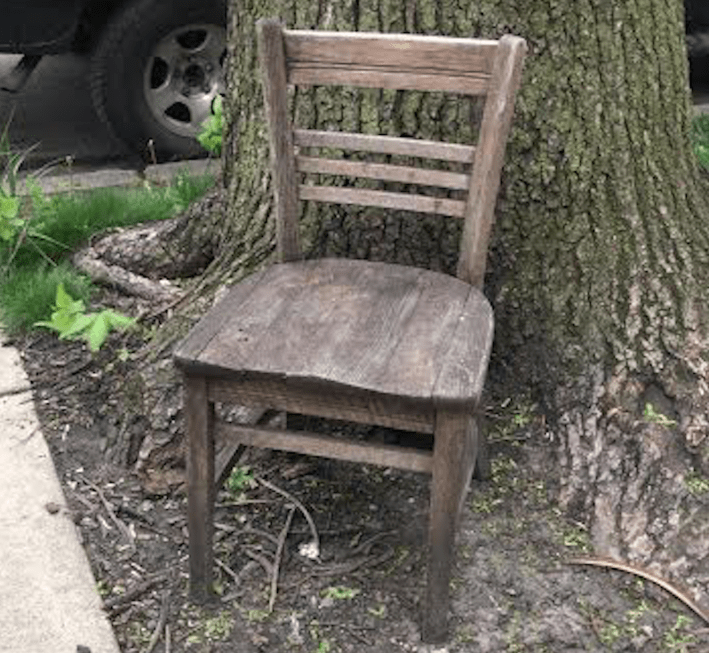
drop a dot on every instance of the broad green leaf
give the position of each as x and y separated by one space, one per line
118 320
78 325
98 332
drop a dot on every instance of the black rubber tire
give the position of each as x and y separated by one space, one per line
118 69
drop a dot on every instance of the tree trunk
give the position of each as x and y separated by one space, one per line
599 266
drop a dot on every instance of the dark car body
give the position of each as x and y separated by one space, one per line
52 26
156 65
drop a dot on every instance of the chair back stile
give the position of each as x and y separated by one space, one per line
402 62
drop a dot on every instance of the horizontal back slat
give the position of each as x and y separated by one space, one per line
307 74
385 145
402 53
383 199
382 171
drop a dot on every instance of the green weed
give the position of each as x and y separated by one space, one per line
210 136
651 414
29 295
676 638
240 480
696 484
700 139
339 593
70 321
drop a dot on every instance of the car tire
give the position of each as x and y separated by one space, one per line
156 72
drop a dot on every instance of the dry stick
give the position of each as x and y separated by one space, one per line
162 619
298 504
226 569
350 628
278 558
115 601
168 638
109 509
643 573
265 564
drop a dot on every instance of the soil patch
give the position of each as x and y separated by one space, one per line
513 588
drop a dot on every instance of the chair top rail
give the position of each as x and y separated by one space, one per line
402 61
441 55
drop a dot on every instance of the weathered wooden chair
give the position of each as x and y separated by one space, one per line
364 341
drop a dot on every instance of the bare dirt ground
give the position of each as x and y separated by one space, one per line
514 588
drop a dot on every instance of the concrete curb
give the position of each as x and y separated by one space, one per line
111 177
48 597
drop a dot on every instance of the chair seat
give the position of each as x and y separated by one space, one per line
360 325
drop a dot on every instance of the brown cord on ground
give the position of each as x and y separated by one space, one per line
643 573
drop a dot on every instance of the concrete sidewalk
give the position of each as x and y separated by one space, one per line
48 597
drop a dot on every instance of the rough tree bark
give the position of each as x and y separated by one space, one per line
599 266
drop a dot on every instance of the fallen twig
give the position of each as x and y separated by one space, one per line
109 509
115 601
226 569
299 505
278 557
21 389
265 564
343 568
162 619
350 628
643 573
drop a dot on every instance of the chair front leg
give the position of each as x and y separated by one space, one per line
454 452
199 415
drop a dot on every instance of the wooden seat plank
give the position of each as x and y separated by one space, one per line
378 327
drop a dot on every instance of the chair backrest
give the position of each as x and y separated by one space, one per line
391 61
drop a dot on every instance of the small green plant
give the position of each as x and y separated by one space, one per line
16 230
219 627
609 633
240 480
676 638
696 484
651 414
700 139
257 616
210 137
70 321
339 593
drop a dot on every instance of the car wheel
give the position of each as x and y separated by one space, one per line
156 73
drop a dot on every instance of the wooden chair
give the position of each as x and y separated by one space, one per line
364 341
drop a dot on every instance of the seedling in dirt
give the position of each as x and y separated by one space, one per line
653 416
257 615
323 647
218 628
71 322
339 593
379 612
240 480
696 484
609 634
676 639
